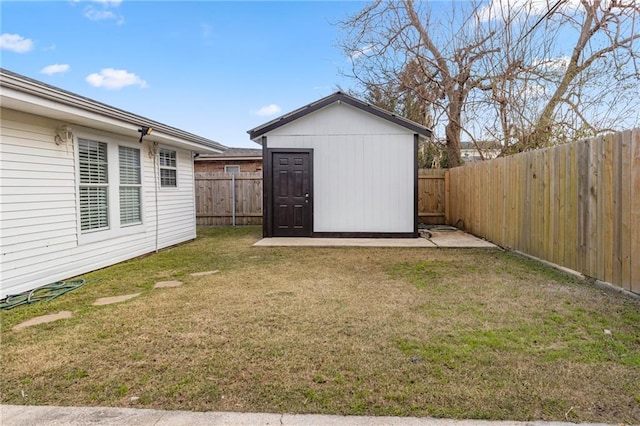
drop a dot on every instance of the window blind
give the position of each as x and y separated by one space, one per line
94 179
130 185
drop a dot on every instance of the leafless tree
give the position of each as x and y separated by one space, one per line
526 73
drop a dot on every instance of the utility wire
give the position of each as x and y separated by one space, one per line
542 18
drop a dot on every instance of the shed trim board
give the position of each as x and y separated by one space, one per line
49 230
338 97
416 219
266 227
364 170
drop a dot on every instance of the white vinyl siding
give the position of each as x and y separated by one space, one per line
177 214
130 186
168 168
363 169
94 185
39 205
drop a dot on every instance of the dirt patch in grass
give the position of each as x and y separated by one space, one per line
409 332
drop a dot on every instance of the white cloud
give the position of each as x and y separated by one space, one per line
55 69
104 11
106 3
98 15
520 9
553 64
110 78
15 43
267 110
109 3
361 51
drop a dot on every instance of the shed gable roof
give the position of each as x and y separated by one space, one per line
259 131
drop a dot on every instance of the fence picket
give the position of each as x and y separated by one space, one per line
577 205
213 197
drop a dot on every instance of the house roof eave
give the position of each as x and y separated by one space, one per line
32 96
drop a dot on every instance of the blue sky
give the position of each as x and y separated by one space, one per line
211 68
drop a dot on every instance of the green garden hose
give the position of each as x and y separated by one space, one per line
45 293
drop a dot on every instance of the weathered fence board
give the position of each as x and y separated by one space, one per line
214 198
576 205
431 196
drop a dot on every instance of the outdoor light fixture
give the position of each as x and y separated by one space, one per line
64 135
144 131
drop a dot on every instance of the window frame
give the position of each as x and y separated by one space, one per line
129 185
94 185
232 165
115 229
165 167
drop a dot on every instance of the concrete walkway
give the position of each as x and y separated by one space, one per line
23 415
449 239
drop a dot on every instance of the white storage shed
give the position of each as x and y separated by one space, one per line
340 167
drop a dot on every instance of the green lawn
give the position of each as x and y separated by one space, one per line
380 331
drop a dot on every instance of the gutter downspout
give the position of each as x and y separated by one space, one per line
153 152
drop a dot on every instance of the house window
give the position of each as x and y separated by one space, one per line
168 169
232 169
130 184
94 185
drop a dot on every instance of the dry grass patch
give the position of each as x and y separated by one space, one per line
419 332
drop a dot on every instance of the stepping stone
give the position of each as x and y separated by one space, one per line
114 299
164 284
200 274
44 319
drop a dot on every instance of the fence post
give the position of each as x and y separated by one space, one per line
233 199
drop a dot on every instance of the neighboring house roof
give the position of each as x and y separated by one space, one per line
483 145
257 132
32 96
233 154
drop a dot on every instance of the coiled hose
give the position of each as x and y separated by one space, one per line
44 293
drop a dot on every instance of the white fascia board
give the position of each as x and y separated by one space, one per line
106 120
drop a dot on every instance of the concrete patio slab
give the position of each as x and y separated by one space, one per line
44 319
114 299
458 239
343 242
449 239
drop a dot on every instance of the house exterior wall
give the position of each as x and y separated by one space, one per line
217 166
363 170
41 239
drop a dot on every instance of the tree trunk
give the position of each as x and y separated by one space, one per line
452 132
453 129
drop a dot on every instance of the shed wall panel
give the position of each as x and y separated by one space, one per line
363 169
362 183
339 119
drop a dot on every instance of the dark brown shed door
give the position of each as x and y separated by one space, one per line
291 194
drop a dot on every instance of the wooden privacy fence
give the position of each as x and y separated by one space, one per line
431 196
215 194
214 198
576 205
